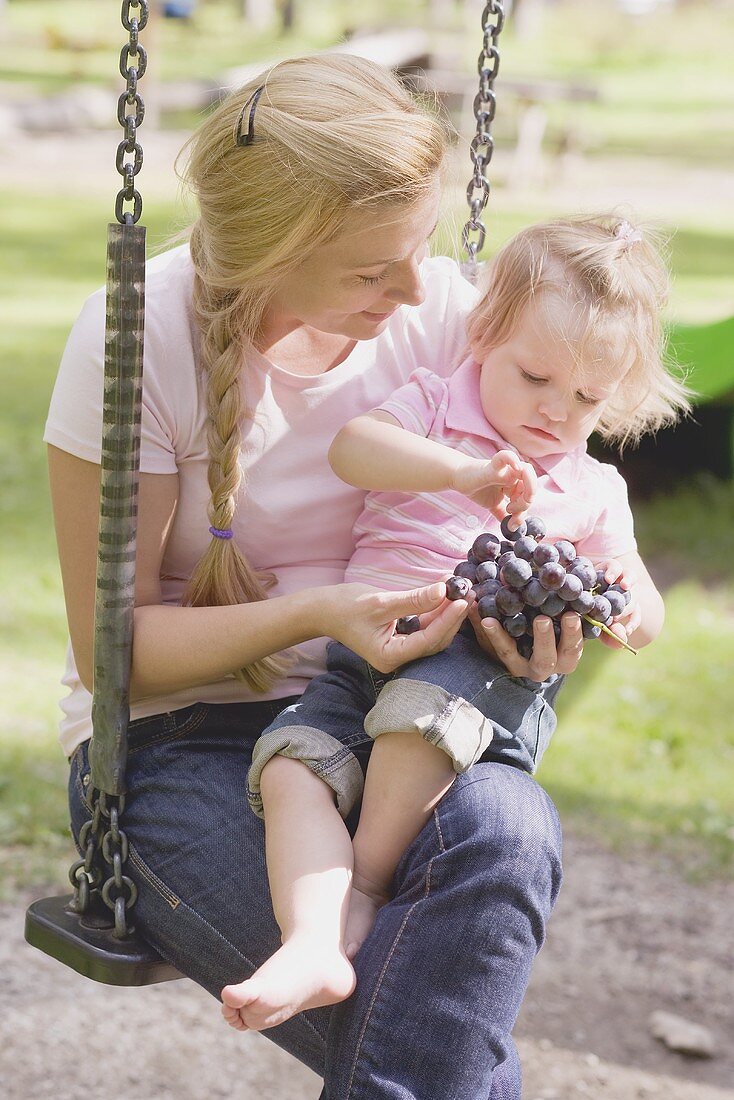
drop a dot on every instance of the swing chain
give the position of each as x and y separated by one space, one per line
105 849
482 144
133 63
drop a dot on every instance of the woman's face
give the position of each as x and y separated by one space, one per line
353 284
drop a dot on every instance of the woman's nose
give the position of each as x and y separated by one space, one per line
406 285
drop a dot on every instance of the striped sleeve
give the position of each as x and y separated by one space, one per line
416 404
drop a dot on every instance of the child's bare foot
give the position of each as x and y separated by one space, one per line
364 901
302 974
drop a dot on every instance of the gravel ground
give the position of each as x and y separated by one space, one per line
629 937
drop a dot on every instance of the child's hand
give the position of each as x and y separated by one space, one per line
503 484
627 623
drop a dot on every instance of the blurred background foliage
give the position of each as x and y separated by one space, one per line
644 751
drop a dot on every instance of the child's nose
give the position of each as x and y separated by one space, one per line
554 407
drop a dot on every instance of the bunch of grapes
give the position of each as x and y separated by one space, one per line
518 577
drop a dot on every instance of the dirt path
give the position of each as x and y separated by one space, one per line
629 936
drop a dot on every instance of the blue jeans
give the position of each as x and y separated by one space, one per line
440 978
460 700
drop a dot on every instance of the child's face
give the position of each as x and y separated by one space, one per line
530 387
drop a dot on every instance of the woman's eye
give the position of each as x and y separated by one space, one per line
370 280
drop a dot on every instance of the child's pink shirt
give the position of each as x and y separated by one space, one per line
405 540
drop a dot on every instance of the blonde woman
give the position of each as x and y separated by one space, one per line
305 298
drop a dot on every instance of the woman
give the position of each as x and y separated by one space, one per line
304 299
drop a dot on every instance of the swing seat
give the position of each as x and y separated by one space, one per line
87 945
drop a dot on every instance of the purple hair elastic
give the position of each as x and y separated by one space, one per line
221 533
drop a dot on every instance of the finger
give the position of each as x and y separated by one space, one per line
612 571
504 647
571 644
434 634
619 631
397 604
544 658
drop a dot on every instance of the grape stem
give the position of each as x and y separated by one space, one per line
595 622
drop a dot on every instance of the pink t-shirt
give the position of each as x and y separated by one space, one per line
294 517
408 539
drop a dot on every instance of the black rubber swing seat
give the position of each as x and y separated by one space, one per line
85 945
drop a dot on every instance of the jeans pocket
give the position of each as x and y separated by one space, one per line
156 729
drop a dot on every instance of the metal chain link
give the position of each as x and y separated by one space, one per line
482 144
133 63
105 848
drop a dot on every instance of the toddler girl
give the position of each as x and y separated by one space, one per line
566 340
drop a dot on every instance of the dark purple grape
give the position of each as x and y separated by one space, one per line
486 571
571 588
616 601
533 593
566 551
486 547
516 573
601 583
457 588
512 534
471 556
618 588
557 629
545 552
589 630
525 647
584 570
466 569
602 609
487 608
486 588
516 625
505 546
408 624
505 556
553 605
509 601
535 527
583 604
552 576
525 547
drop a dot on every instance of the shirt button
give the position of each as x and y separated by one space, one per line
472 521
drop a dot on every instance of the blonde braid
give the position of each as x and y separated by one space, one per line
223 575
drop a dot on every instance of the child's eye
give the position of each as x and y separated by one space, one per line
533 378
370 280
585 399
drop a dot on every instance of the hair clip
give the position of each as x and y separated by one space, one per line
627 233
249 137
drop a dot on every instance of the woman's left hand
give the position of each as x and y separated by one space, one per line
625 624
547 658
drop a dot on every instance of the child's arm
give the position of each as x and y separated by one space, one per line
642 619
375 452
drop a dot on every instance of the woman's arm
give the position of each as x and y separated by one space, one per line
375 452
181 647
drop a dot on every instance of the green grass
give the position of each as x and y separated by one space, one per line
643 746
644 749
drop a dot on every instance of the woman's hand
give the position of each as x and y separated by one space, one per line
364 618
547 657
503 484
627 623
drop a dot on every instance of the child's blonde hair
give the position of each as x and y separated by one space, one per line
615 282
332 134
